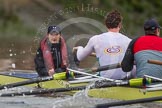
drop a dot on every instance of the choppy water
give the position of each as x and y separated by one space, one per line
78 100
62 102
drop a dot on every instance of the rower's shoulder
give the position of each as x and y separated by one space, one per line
99 35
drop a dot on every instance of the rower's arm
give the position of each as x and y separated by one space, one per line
128 60
39 64
82 53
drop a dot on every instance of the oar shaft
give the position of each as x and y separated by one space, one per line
151 89
137 82
43 91
121 103
82 81
155 78
103 84
86 73
106 67
155 62
101 68
30 81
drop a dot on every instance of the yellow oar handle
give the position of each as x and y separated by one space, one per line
155 62
139 82
136 82
63 75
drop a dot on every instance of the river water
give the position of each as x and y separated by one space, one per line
60 100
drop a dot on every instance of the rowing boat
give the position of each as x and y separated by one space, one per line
121 93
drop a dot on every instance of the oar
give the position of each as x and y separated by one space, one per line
85 73
30 81
155 85
57 76
150 89
128 102
155 78
97 69
136 82
82 81
43 91
102 84
84 77
155 62
106 67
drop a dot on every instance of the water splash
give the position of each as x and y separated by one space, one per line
79 100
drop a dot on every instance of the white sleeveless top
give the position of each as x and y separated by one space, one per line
110 48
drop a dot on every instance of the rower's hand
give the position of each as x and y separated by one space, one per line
74 49
93 54
75 56
51 72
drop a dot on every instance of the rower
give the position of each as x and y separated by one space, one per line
143 48
109 47
51 56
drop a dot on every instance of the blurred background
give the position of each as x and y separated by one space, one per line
24 22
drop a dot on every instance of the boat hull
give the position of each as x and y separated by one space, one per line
9 78
121 93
